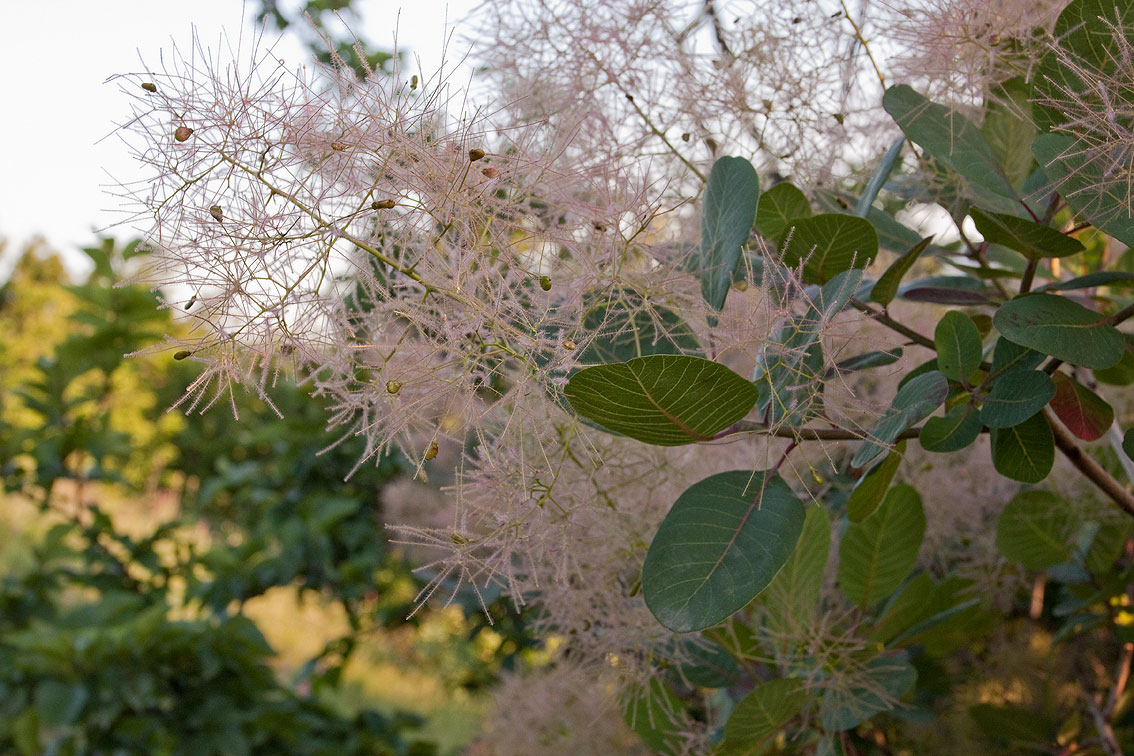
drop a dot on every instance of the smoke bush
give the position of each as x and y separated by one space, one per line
453 276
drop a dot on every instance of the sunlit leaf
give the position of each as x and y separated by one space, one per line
878 553
829 243
667 400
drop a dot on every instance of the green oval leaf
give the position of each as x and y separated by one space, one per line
958 346
1120 374
957 429
878 553
792 598
761 714
871 487
1037 529
949 137
1068 78
729 210
723 541
886 288
667 400
1015 397
778 207
1064 329
829 243
1024 452
1083 411
1033 240
914 401
1010 356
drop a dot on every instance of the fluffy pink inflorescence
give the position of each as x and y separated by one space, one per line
436 274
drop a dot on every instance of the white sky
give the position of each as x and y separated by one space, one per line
55 57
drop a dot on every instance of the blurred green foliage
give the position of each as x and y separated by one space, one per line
144 539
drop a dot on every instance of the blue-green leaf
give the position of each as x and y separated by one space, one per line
1016 396
949 137
729 210
889 160
1064 329
1033 240
1091 194
829 243
958 346
1024 452
957 429
914 402
778 207
723 541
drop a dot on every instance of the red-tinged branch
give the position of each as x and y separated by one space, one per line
1064 441
1085 464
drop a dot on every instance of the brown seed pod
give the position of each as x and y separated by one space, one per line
181 354
182 133
413 82
338 146
431 452
385 204
491 173
570 345
149 86
216 212
475 155
394 387
685 137
545 283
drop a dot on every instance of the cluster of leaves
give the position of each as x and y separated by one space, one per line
740 558
112 642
